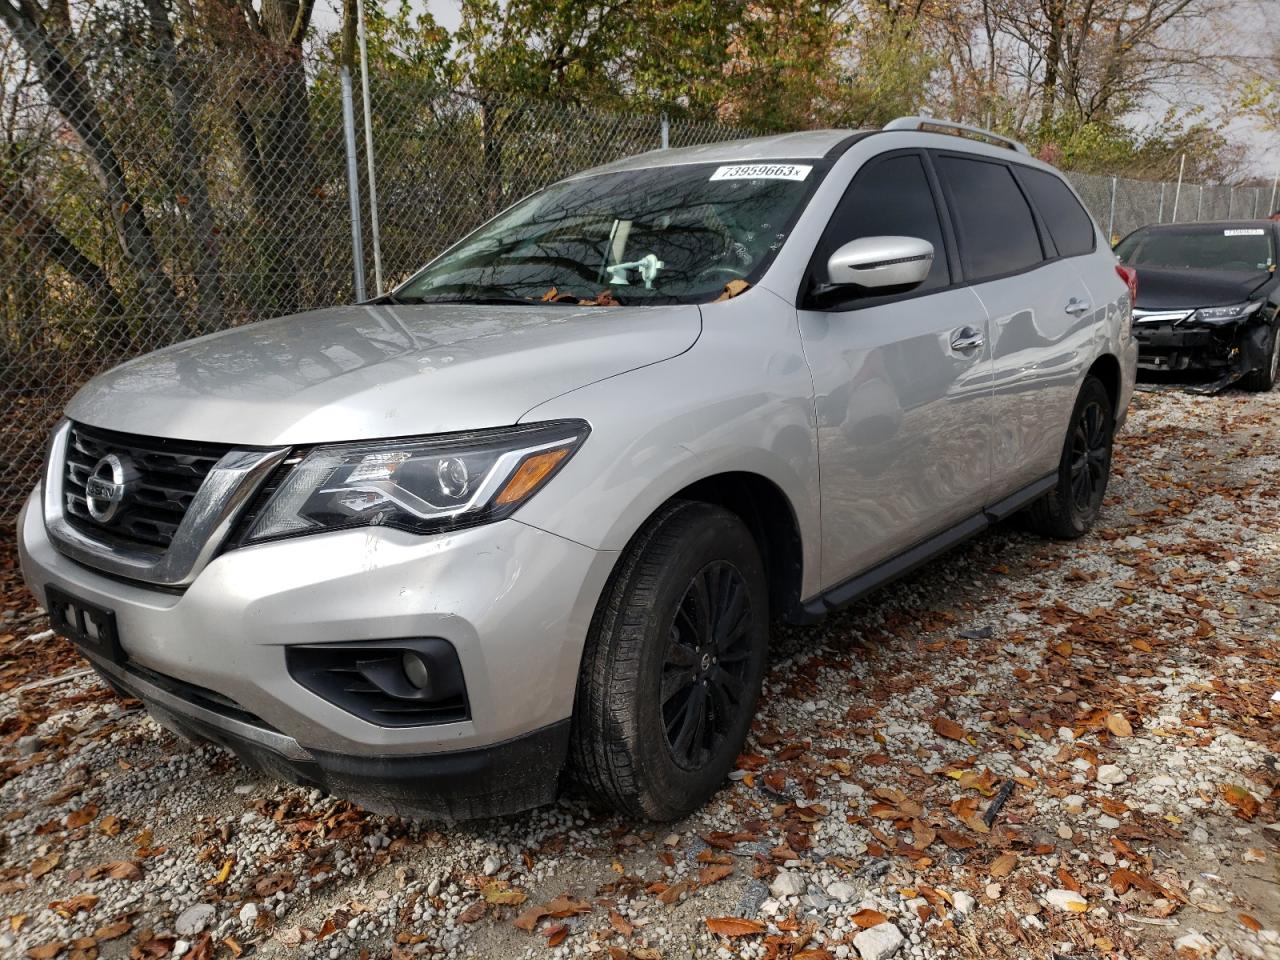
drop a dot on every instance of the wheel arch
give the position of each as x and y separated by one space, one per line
1107 369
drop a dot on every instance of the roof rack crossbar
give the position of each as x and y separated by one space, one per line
937 125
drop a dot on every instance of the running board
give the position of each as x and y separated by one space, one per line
845 593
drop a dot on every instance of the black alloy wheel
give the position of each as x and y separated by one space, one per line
705 669
1072 507
1090 456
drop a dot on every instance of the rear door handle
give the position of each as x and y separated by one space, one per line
1078 306
967 338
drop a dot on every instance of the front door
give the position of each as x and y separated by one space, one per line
902 382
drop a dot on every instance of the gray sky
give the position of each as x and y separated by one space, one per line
1251 29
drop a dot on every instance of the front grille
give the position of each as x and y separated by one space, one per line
169 473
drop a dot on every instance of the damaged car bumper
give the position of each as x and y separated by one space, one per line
1179 341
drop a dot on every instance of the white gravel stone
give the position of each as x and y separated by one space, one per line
879 942
844 892
1110 773
248 914
787 884
194 919
492 864
1066 900
963 902
1193 943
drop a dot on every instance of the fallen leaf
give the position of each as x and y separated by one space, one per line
866 919
621 924
47 951
1249 922
113 931
43 865
948 728
503 896
1003 865
713 873
1244 802
224 873
734 926
1119 725
473 912
85 815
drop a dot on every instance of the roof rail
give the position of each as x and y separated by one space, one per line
936 125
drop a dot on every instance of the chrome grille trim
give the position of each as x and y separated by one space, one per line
199 534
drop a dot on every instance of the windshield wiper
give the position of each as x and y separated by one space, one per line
417 301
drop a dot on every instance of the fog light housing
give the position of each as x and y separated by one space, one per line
416 671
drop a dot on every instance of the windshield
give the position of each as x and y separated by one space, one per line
1244 249
674 234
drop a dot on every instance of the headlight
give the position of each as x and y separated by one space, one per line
1237 311
424 485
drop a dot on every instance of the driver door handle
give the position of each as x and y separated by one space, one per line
967 338
1078 306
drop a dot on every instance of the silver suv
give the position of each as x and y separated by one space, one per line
533 512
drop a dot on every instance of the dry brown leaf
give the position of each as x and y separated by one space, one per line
46 951
1244 802
948 728
556 935
732 289
503 895
110 825
1003 865
866 919
1249 922
734 926
1119 725
113 931
621 924
713 873
83 816
43 865
473 912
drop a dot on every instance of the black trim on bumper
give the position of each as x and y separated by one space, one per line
495 780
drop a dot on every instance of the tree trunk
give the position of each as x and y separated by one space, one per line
71 96
192 189
42 234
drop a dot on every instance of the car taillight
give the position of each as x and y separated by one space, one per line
1130 276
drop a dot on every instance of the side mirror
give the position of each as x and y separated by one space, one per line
874 262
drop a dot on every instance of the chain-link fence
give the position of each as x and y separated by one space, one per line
148 196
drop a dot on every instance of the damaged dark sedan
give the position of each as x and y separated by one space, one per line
1208 300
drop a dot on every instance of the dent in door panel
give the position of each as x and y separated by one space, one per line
903 425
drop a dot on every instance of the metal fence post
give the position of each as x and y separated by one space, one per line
1256 197
375 235
1177 193
353 185
1199 202
666 132
1271 207
1160 207
1111 214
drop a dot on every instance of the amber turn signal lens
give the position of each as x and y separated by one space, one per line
530 476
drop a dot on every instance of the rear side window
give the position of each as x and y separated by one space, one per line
1068 223
994 225
889 198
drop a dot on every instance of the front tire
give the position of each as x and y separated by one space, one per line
673 665
1071 508
1264 378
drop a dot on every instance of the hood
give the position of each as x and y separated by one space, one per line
1161 288
364 372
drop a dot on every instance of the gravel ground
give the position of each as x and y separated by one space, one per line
1027 749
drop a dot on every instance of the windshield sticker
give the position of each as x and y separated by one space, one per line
1251 232
762 171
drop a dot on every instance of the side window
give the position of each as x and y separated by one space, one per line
994 226
1068 223
889 197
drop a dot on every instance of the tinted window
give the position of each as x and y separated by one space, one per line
890 198
994 226
1068 224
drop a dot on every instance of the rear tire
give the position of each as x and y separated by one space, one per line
1070 509
673 665
1264 378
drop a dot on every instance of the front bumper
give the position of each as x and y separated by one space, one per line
513 600
1229 350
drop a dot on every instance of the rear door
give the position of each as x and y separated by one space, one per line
1041 314
902 381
